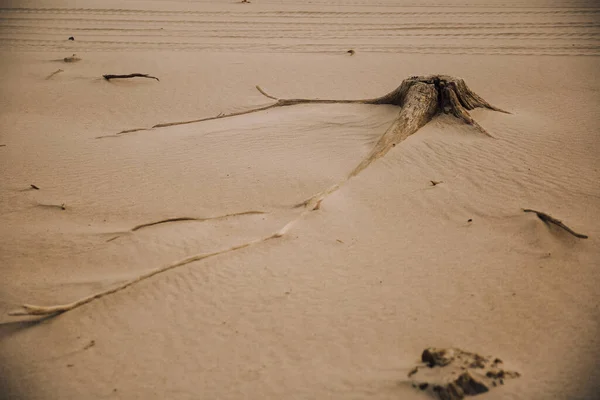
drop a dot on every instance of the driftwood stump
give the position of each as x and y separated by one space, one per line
420 98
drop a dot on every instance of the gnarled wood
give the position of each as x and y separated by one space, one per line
420 98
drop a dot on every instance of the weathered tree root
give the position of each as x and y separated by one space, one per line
549 219
181 219
445 95
108 77
420 99
29 309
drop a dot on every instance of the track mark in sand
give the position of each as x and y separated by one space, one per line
549 219
180 219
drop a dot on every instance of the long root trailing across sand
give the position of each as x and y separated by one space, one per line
420 98
28 309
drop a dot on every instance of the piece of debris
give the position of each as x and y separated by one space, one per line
92 343
470 220
547 218
71 38
318 205
108 77
351 52
2 145
453 374
58 71
434 183
34 187
71 59
245 1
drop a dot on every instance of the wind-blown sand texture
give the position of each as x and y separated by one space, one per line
249 295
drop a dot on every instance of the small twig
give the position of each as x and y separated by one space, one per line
34 187
58 71
433 183
92 343
108 77
547 218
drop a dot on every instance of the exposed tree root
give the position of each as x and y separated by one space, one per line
108 77
71 59
179 219
549 219
451 96
420 98
28 309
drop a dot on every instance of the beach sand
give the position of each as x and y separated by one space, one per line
341 302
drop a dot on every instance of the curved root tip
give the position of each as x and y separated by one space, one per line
36 310
265 93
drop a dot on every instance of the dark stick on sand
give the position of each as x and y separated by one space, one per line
108 77
549 219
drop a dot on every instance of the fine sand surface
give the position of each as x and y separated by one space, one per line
341 302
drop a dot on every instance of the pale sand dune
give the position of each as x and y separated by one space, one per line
343 303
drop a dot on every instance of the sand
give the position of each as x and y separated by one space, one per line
344 302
